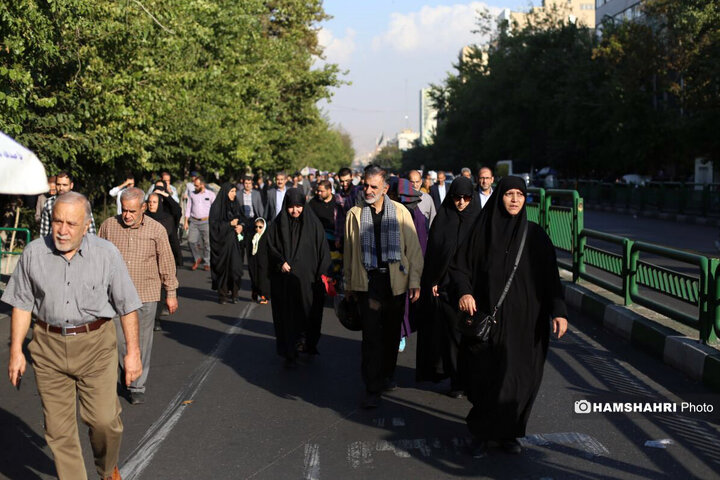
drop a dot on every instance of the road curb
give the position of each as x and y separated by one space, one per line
700 362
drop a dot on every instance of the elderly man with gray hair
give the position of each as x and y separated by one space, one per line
426 205
71 284
144 245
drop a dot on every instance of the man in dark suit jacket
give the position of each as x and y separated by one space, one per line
250 199
439 190
275 196
261 187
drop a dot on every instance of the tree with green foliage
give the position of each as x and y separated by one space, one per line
101 88
642 97
389 157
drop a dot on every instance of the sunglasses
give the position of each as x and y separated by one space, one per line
258 227
467 198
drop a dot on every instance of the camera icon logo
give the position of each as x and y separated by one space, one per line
582 406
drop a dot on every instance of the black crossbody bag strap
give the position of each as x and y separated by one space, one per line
512 275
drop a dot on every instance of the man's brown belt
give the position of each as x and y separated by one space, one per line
88 327
200 219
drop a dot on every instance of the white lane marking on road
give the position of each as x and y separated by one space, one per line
589 445
398 422
663 443
312 462
149 445
360 453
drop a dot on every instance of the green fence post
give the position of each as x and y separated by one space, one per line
706 287
577 227
630 259
713 302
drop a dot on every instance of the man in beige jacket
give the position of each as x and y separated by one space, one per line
382 262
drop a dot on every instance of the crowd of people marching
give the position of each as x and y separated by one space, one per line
454 259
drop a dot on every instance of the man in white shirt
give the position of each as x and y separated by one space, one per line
116 192
485 183
439 190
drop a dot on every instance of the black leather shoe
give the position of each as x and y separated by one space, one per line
389 385
137 398
511 446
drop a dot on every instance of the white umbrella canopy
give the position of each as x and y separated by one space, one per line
21 173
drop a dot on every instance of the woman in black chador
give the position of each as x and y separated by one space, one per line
164 209
504 374
228 228
299 254
438 341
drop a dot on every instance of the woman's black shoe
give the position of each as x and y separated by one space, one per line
511 446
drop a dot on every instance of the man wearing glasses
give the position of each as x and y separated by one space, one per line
485 183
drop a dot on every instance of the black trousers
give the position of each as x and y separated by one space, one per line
382 314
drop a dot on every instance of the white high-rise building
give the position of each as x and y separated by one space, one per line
405 140
428 117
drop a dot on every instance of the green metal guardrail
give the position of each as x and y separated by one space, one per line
671 197
563 220
4 252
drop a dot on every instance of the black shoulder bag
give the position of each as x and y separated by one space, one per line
480 325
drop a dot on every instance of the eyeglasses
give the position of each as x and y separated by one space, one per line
258 227
486 178
467 198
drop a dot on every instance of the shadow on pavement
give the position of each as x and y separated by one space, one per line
331 380
22 456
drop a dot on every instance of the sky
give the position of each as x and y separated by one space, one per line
390 50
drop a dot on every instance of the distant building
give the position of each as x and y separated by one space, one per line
428 117
617 9
405 140
581 12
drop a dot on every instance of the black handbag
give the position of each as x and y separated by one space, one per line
480 325
347 310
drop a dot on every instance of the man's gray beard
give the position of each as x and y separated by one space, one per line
370 202
66 248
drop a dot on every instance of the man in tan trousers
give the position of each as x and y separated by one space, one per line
72 284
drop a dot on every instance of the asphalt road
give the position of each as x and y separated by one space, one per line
684 236
220 405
